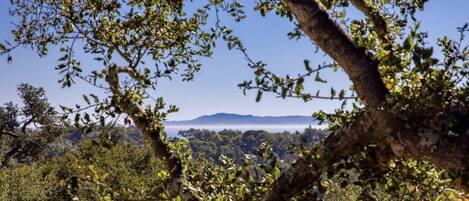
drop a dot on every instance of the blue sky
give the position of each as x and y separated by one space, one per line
215 87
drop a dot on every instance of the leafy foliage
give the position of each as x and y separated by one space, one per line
137 43
25 131
236 144
91 172
119 169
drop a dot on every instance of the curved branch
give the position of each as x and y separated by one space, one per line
445 150
305 171
359 64
154 131
9 154
448 151
26 124
132 72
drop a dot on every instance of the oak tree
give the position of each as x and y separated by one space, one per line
409 103
25 131
134 44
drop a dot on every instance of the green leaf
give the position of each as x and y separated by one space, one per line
319 79
87 117
65 109
259 72
60 66
86 99
95 98
63 58
102 121
427 52
278 80
307 66
333 92
341 94
77 120
284 92
259 96
299 86
306 97
409 43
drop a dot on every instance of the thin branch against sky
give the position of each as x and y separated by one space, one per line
215 87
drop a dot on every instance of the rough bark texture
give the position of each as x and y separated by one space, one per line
357 62
304 171
376 125
176 185
450 152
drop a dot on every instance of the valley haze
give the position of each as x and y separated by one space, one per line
230 121
219 119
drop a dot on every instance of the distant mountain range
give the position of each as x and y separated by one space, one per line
238 119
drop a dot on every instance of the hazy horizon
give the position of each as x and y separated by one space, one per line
173 130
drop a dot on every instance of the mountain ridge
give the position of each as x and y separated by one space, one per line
245 119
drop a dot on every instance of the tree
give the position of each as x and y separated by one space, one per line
122 36
26 131
409 104
414 105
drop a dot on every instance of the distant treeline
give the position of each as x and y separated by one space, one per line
236 144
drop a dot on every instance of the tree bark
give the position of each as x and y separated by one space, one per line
375 125
450 152
176 185
359 64
445 150
306 170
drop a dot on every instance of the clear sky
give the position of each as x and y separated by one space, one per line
215 87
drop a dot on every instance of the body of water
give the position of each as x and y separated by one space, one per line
173 130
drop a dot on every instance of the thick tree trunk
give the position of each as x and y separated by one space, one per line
450 152
306 170
376 125
359 65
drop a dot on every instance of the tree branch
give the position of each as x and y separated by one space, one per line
122 54
9 133
448 151
378 21
9 154
303 172
154 131
445 150
359 64
362 69
132 72
25 125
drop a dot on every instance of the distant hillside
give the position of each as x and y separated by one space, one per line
238 119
